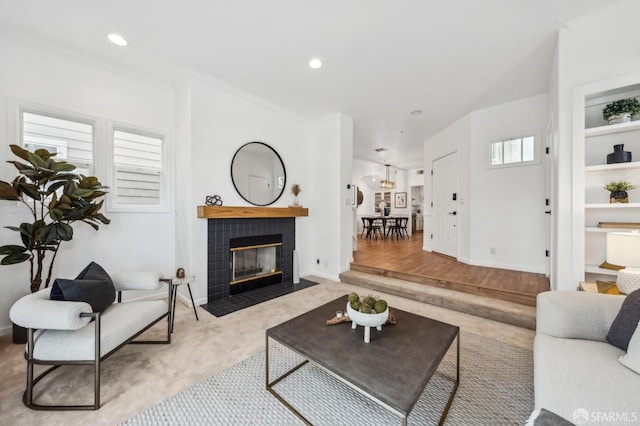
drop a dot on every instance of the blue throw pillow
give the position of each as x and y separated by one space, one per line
626 321
93 285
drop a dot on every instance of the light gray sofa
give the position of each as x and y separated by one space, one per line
574 366
65 332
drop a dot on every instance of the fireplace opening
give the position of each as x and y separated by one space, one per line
255 262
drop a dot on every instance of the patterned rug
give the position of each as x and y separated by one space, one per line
496 388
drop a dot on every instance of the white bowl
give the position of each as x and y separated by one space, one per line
367 320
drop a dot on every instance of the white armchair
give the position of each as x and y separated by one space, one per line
62 332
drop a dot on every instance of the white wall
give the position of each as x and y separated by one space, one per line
585 56
50 77
501 208
213 121
331 170
508 207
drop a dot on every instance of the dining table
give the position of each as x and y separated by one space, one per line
391 220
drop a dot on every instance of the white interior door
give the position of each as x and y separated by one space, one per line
259 190
445 205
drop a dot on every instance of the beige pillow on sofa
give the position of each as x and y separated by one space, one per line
632 358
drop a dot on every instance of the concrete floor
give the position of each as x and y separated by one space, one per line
139 376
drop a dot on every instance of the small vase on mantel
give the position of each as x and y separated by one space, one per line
295 190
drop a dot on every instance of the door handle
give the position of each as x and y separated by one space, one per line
453 213
547 212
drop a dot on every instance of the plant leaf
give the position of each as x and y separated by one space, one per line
14 258
20 152
56 214
8 192
29 189
63 167
10 249
36 160
82 192
65 232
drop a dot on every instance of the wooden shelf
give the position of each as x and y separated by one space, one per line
612 129
224 212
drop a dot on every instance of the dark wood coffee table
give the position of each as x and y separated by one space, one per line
404 357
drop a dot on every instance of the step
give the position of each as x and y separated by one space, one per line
474 289
497 310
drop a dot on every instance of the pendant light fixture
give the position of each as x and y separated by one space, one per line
387 183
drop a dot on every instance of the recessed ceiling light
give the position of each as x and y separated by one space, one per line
117 39
416 112
315 63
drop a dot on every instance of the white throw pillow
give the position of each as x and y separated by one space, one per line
632 358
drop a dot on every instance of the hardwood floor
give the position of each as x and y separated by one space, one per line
405 259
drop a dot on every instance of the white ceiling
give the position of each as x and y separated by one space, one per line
382 58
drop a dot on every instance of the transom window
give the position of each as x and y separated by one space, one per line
513 151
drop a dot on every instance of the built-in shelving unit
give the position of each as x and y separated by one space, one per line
598 141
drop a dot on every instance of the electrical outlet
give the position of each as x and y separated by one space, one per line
326 264
492 251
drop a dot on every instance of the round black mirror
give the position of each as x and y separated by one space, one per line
258 173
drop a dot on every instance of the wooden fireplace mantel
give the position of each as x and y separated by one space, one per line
231 212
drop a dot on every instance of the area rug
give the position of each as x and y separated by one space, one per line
496 388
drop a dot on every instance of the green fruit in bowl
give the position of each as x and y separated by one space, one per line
353 297
380 306
369 300
365 308
355 305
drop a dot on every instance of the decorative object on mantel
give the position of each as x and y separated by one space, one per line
621 111
619 155
618 191
213 200
295 190
180 273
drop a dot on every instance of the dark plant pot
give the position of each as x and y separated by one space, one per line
619 155
619 197
19 334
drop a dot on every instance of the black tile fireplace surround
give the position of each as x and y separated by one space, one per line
221 231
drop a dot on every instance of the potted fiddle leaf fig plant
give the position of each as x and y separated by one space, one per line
618 191
621 111
55 197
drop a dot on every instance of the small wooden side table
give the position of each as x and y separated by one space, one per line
173 284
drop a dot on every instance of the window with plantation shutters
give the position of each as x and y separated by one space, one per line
71 139
138 164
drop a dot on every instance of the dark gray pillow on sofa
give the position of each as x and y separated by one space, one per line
93 285
626 321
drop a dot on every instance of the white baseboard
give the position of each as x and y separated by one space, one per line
6 329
